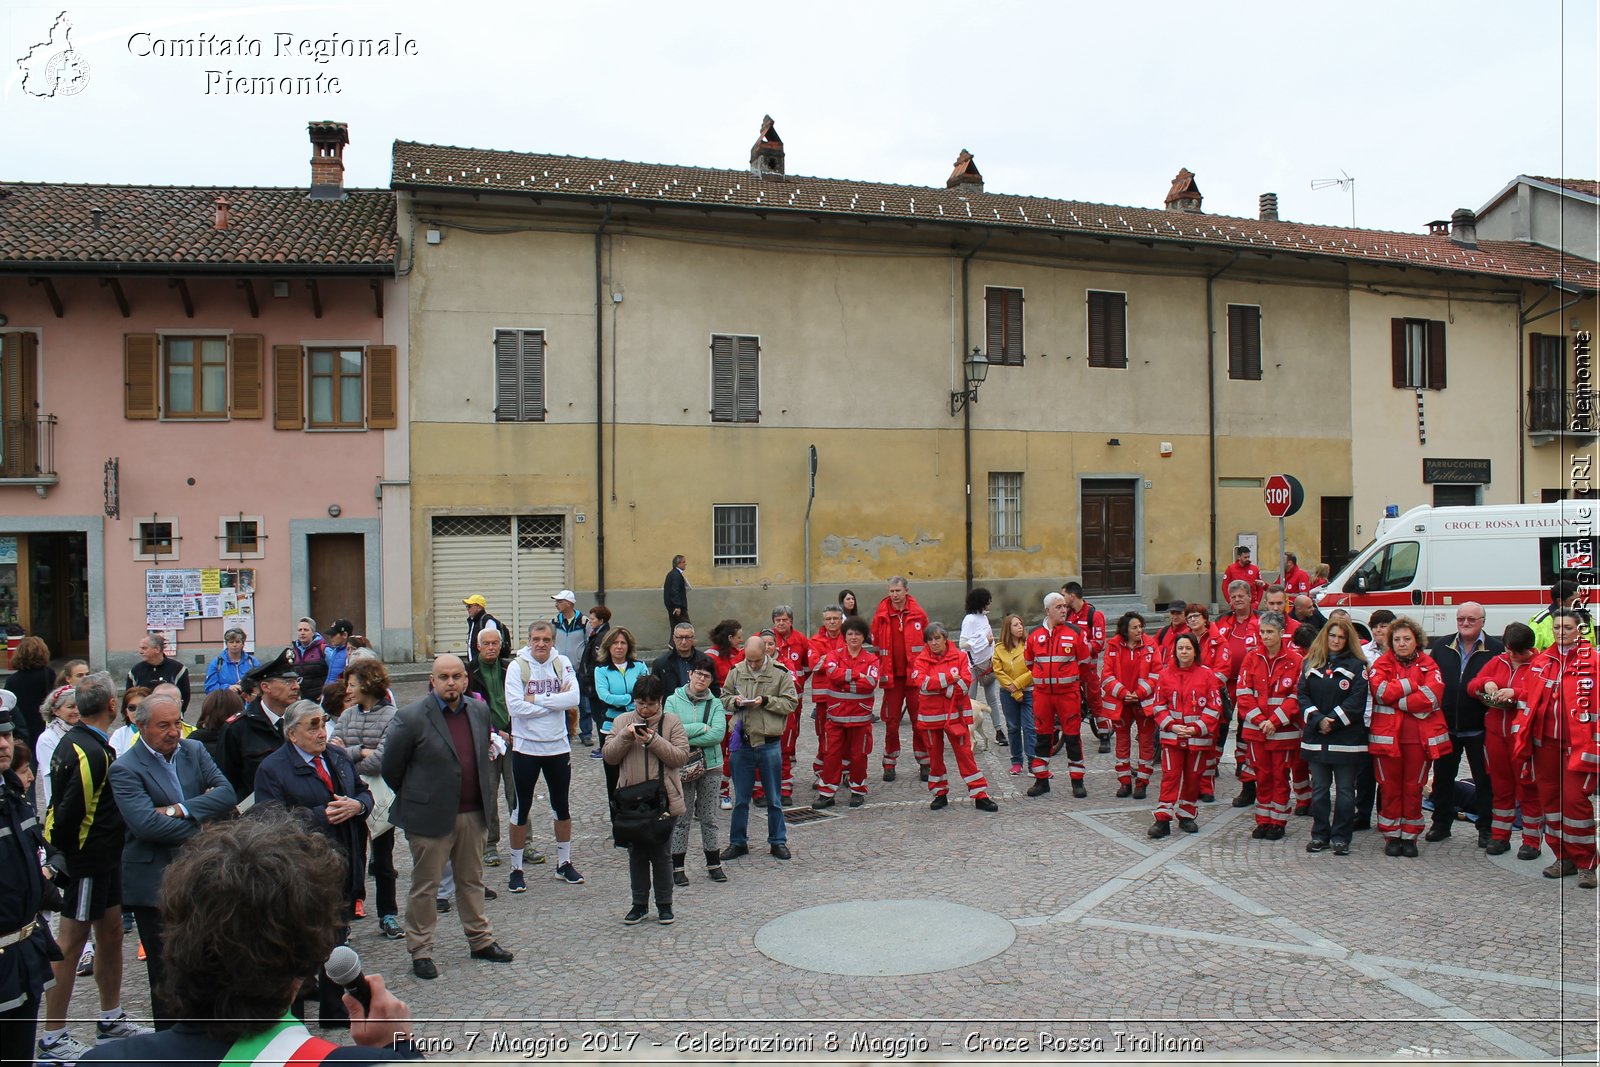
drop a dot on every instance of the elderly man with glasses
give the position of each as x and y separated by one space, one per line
1460 657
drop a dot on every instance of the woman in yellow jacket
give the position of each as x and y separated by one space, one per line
1016 691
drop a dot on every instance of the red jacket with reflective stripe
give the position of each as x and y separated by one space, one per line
1059 657
1532 689
1269 692
1129 671
724 664
1242 638
1093 624
897 637
794 652
942 683
1188 697
822 646
1295 582
1248 573
851 683
1574 707
1407 704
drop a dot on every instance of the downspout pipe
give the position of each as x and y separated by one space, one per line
599 413
1211 412
966 409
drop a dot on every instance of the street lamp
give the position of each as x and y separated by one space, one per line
976 369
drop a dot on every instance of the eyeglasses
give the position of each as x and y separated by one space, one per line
1469 618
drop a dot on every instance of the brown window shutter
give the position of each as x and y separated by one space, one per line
994 328
747 368
1013 349
382 388
288 388
1235 342
249 353
141 370
1116 319
724 405
1435 355
1097 330
1397 352
1253 344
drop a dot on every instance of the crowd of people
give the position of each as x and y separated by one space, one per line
1333 720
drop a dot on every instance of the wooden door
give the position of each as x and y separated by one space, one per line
1110 563
338 579
1335 532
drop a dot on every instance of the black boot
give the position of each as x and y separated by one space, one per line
678 877
714 866
1246 797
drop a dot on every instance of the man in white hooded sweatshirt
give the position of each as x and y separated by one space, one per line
540 687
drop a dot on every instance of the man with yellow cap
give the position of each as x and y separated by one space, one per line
479 620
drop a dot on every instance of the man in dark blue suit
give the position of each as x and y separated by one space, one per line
233 971
167 788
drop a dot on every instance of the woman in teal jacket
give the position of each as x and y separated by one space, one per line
614 678
704 722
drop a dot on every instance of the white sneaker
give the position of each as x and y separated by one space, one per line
86 961
119 1028
66 1049
727 803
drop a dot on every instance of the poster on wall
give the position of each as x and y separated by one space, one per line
175 597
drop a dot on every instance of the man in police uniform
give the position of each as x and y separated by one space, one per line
24 936
257 731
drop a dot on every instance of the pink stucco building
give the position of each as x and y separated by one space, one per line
203 401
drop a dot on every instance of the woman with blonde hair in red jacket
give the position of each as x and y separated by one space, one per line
1408 732
1128 678
1188 707
941 677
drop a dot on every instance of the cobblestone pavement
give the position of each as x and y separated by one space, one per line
1212 942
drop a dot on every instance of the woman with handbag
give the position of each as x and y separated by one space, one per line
647 745
977 641
705 724
360 732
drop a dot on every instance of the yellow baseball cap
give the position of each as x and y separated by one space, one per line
476 598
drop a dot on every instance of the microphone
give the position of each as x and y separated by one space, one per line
344 968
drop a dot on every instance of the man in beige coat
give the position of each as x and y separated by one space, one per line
759 695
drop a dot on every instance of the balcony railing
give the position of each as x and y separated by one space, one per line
1555 411
28 449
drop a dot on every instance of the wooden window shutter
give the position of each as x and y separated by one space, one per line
1244 342
748 372
382 388
288 387
141 370
1116 315
1236 367
245 376
1097 330
1435 355
507 377
994 325
1013 346
723 406
532 363
1252 339
1397 352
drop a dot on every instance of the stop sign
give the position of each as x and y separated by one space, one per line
1284 494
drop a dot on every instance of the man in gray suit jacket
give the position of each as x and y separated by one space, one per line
436 759
167 788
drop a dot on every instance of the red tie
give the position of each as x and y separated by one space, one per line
322 772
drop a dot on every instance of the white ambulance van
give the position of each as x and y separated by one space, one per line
1505 557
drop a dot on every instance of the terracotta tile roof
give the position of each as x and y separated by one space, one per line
420 166
1587 186
143 226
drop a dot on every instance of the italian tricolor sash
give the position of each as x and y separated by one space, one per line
286 1042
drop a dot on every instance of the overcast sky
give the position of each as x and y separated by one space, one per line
1429 106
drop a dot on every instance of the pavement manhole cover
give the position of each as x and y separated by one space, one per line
877 938
799 815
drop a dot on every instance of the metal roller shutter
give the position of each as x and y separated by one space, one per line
517 563
541 570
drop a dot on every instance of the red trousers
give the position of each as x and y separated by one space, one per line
1059 710
1272 764
1299 776
899 699
787 743
961 743
1568 811
1122 748
819 723
1182 769
1400 781
846 746
1509 791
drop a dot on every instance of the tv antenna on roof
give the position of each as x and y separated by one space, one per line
1347 183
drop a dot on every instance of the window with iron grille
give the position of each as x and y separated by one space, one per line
1002 317
1108 329
519 376
735 540
735 378
1547 383
1417 353
536 532
1005 509
1244 342
158 539
471 525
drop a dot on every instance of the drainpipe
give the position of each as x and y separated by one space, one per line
599 416
1211 413
966 409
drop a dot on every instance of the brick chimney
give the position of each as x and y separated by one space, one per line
1464 228
220 222
1184 194
766 155
1269 207
965 177
327 159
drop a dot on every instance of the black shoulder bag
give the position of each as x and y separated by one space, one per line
639 813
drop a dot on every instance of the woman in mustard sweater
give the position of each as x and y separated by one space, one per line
1016 690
